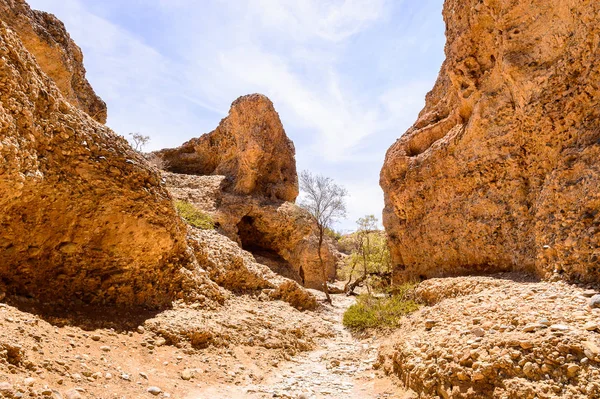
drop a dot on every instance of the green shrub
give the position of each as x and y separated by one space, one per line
378 312
193 216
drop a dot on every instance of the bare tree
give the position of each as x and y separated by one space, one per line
325 201
139 141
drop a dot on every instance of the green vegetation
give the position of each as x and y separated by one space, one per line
369 263
334 235
380 312
193 216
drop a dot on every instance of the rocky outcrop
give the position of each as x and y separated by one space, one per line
279 234
501 170
249 147
497 337
82 216
237 270
46 38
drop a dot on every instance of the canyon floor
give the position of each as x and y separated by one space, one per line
112 354
341 367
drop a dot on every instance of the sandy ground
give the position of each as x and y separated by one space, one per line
114 354
341 367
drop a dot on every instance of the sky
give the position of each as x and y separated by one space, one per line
347 77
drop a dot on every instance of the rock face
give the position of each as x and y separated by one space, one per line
279 234
46 38
249 147
81 214
237 270
501 170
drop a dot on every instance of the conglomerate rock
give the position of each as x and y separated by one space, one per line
249 146
81 214
497 337
236 270
279 234
501 170
46 38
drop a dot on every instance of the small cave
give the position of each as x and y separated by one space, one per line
260 245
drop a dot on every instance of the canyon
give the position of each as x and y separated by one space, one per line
108 289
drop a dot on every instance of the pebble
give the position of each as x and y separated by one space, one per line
5 387
105 348
590 293
572 370
533 327
559 327
530 369
595 301
429 324
187 374
478 332
125 377
72 394
96 337
29 381
591 326
154 390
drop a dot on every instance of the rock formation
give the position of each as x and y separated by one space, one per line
46 38
494 337
244 175
502 168
249 147
81 214
279 234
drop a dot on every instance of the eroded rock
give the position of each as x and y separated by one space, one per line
46 38
487 341
249 147
81 214
500 171
279 234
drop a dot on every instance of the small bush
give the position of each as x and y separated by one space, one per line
193 216
379 312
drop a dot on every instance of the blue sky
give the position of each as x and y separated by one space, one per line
348 77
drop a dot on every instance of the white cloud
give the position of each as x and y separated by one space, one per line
298 52
331 20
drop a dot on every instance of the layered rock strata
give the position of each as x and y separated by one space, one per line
501 170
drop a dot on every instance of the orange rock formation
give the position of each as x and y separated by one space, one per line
501 170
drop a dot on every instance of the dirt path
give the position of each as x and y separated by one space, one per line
342 367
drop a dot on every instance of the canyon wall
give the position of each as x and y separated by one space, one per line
502 168
82 215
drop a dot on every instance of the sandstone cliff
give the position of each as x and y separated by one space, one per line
249 147
501 170
81 214
46 38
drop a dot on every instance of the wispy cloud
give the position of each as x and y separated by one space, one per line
347 76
